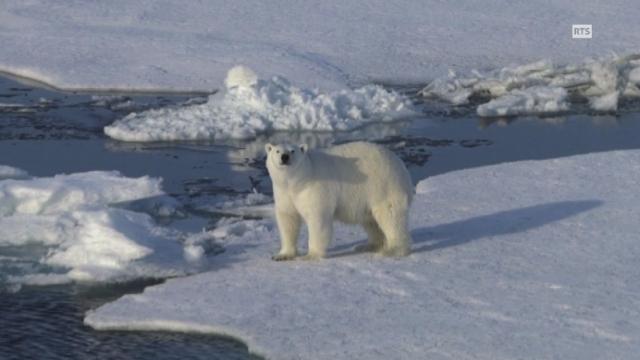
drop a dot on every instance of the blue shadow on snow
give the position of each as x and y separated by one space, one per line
496 224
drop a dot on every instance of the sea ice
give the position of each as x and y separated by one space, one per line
534 259
250 106
69 192
90 234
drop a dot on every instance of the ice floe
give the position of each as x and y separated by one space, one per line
70 192
88 233
541 87
9 172
534 259
250 106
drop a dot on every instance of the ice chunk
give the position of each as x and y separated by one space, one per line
87 239
606 102
533 100
9 172
607 85
103 244
69 192
250 106
240 76
193 253
455 91
21 229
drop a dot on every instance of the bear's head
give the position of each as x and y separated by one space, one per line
284 158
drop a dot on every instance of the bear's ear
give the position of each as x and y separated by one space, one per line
268 147
304 148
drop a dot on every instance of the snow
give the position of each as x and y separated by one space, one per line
534 259
178 45
9 172
541 87
69 192
240 76
88 233
250 106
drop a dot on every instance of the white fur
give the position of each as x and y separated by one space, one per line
355 183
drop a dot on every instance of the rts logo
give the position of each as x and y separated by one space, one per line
581 31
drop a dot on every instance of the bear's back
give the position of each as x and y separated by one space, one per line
371 168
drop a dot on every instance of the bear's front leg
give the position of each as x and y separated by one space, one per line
320 234
289 228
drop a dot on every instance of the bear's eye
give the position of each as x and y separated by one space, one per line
278 151
293 151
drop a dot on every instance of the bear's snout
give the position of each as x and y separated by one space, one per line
285 158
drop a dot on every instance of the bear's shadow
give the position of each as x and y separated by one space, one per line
505 222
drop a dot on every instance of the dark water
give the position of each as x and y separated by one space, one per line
48 133
46 323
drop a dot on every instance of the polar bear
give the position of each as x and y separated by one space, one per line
355 183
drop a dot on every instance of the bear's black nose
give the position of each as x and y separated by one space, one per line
285 158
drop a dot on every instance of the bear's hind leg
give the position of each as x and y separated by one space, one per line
392 218
375 235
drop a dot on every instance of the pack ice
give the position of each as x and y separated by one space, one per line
543 88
